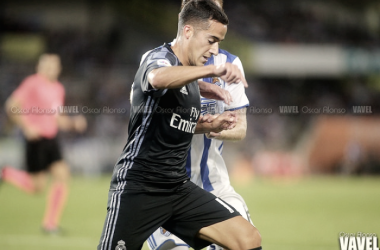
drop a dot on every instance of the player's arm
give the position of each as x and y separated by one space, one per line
216 123
178 76
12 108
76 123
237 133
237 91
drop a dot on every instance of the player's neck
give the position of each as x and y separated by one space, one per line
179 51
48 78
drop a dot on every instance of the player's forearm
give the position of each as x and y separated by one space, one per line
236 134
11 108
239 131
204 87
203 128
18 119
217 124
72 123
178 76
65 123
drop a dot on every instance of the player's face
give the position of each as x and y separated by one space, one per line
50 66
205 43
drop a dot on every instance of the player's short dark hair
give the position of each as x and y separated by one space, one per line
200 12
183 2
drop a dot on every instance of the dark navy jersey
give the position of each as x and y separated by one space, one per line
161 127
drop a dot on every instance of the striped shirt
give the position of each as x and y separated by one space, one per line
205 164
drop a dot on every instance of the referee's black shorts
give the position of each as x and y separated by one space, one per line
41 153
133 216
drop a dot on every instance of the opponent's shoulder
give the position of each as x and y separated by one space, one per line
225 56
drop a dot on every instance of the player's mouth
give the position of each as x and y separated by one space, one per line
205 59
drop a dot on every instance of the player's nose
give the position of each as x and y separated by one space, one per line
214 49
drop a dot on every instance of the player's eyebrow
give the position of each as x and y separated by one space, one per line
217 38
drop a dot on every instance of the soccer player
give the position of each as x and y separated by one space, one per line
149 186
33 106
205 165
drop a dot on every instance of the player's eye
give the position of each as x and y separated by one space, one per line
211 41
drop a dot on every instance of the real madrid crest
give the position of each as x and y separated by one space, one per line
120 245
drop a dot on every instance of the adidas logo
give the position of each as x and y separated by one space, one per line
184 90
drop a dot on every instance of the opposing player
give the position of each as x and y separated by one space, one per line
205 165
150 187
33 106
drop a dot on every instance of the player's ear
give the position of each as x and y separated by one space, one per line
188 31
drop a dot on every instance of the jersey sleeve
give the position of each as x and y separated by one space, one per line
237 91
153 61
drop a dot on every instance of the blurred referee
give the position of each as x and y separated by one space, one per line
33 106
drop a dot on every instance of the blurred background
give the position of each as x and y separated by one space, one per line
310 54
320 58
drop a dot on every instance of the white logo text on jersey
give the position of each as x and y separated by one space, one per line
187 126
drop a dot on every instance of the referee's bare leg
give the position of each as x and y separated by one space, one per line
235 233
57 196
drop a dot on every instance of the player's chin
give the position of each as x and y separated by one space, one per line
202 61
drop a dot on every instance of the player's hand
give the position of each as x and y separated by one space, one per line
79 123
230 73
225 121
30 133
212 91
204 118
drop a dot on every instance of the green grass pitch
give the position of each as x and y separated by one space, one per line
295 214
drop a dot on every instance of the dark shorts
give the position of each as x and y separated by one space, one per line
40 154
133 216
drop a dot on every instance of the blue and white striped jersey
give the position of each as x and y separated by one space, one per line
205 165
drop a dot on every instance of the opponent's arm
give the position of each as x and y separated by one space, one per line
216 123
237 133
